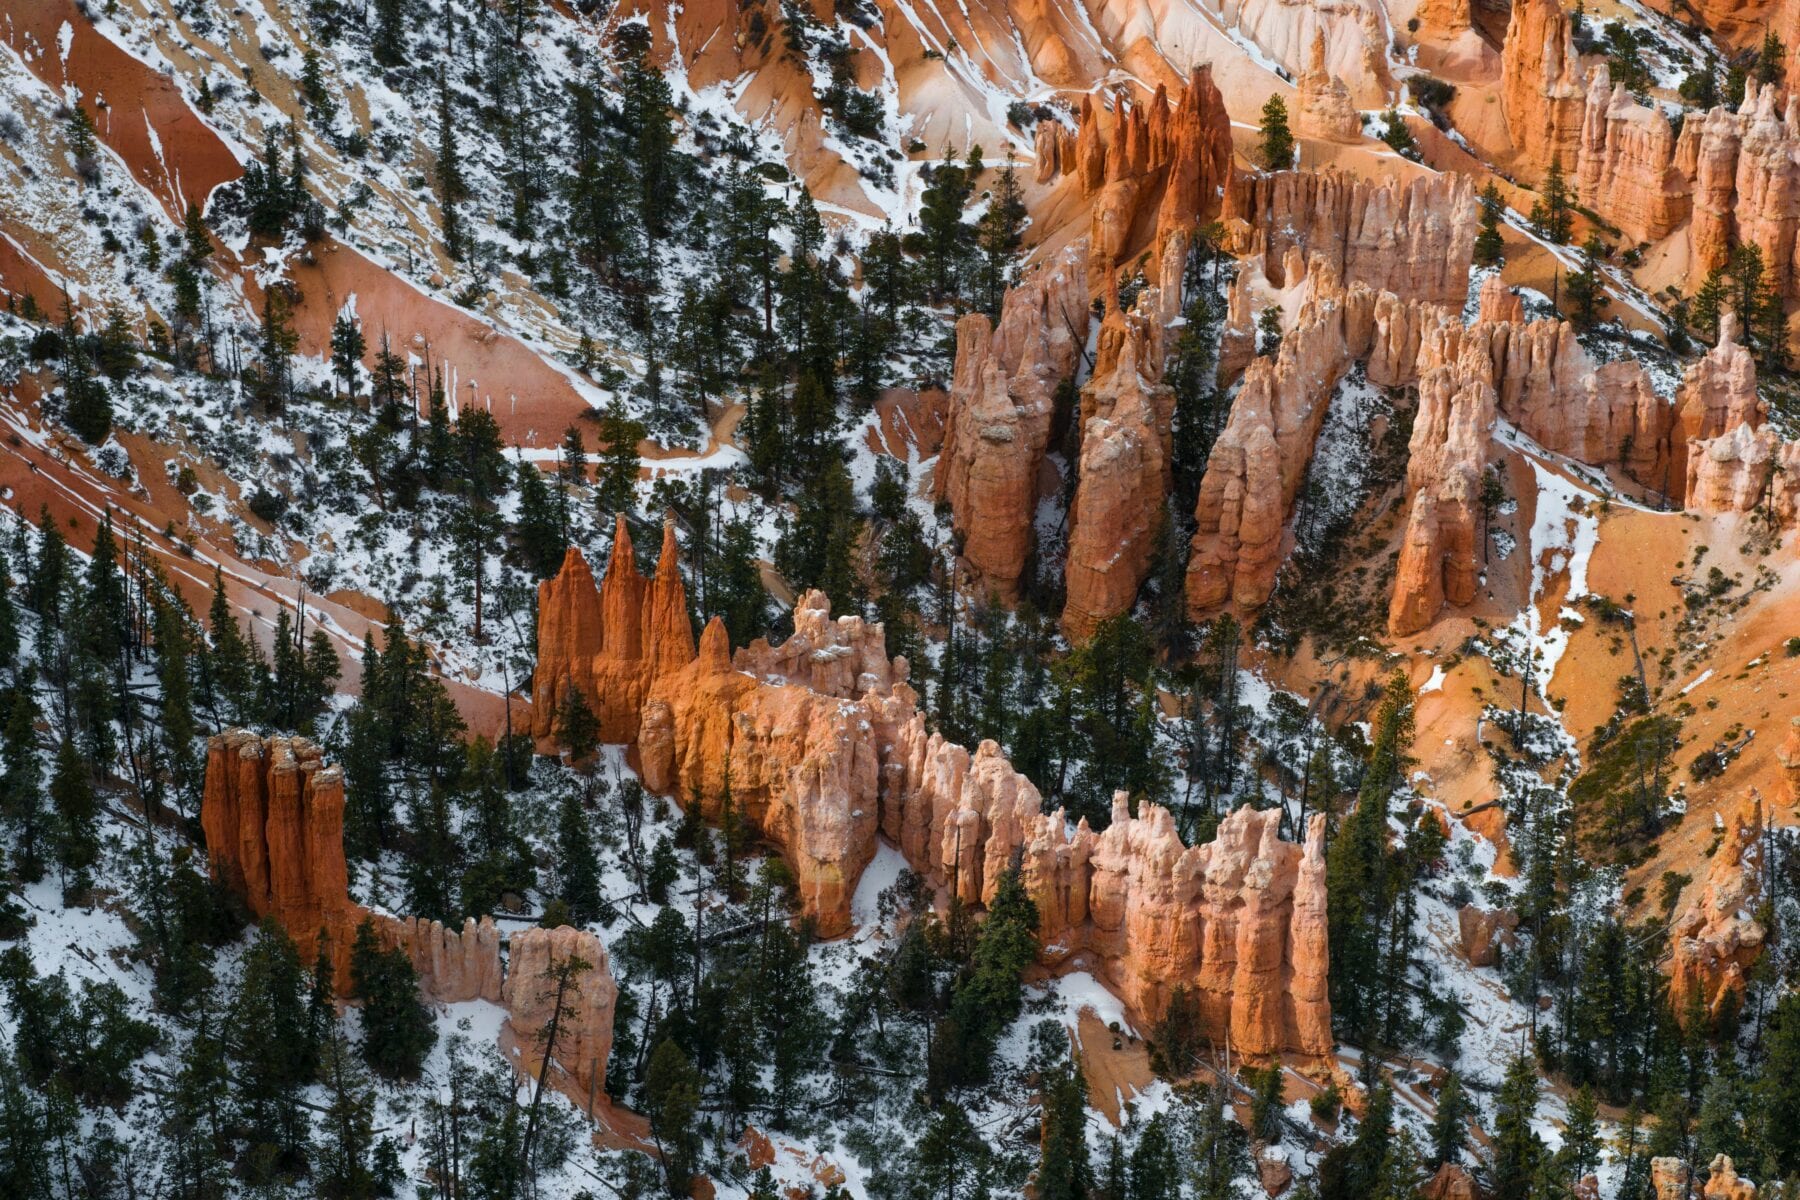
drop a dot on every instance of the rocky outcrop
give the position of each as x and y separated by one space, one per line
1452 1182
1744 173
612 642
1788 755
1240 921
1055 149
1497 302
1625 166
1669 1179
540 964
820 772
1439 556
1354 31
1150 170
1542 96
272 813
1002 400
1260 458
1716 938
798 766
1414 238
1126 415
1551 388
1322 105
1722 1182
1745 470
1485 932
1717 394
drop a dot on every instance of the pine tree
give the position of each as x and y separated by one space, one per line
1155 1173
538 536
1777 1090
345 1168
616 474
1277 140
1064 1172
1490 247
272 1056
672 1102
452 187
1553 214
87 404
1518 1152
577 864
1449 1124
387 37
84 145
1769 59
76 810
1584 288
1357 869
21 786
321 106
347 349
950 1160
998 233
397 1028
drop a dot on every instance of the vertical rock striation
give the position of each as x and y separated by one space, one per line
1541 92
608 643
1716 939
1415 238
1625 168
1002 401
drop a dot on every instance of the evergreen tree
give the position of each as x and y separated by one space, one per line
346 1168
998 233
76 810
950 1160
1449 1124
1064 1172
1553 214
539 537
268 1042
577 865
1518 1152
1357 869
387 36
1584 288
616 474
1276 147
672 1102
1769 60
347 349
1490 247
1217 1154
397 1028
21 785
452 187
1155 1172
1777 1090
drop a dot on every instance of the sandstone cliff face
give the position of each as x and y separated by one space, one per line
1715 938
797 765
1415 239
1002 399
273 816
1744 169
1126 415
1440 555
1355 32
1547 384
1744 470
1322 104
608 643
1625 167
1150 170
1541 91
584 1035
1717 394
820 772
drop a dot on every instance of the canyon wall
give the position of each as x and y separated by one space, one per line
1123 471
1002 400
1149 169
1744 169
820 745
1413 238
1447 456
610 642
1322 105
1542 95
1625 166
272 813
1261 457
